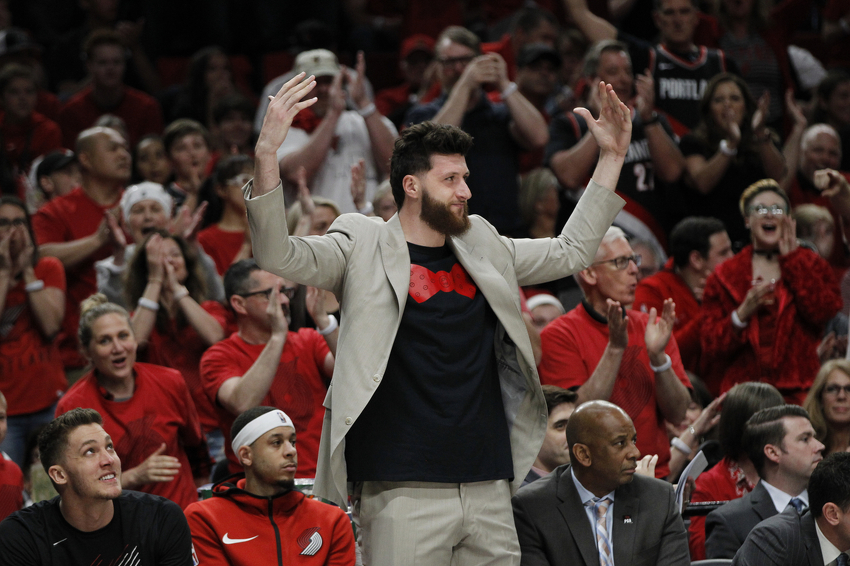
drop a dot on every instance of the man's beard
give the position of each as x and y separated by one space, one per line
439 217
286 485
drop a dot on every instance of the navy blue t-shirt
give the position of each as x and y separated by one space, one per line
438 414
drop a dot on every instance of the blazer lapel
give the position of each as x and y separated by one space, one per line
810 539
573 512
626 508
396 260
762 502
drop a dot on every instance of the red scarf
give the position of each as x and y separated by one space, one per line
306 120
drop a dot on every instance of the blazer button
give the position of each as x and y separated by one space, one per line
376 378
348 420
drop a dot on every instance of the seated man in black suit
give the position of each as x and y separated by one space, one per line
781 443
564 518
820 537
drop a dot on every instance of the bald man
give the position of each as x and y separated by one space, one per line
610 515
77 228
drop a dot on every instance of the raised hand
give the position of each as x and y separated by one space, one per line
24 259
761 113
618 325
274 312
308 207
336 94
613 130
788 235
155 257
283 107
6 262
358 184
659 329
358 87
646 465
797 114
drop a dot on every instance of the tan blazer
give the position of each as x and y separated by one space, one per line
365 263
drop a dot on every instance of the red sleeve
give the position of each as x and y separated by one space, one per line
218 311
672 350
217 367
562 363
205 541
342 545
50 270
318 349
719 338
49 226
810 278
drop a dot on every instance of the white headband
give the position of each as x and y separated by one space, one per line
258 427
145 191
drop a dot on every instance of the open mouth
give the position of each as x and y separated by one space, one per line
120 362
147 230
108 477
769 227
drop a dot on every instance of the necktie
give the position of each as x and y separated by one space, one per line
798 504
603 545
841 560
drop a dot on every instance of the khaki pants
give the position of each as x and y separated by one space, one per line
435 524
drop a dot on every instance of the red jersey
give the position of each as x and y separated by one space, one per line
31 373
235 527
25 141
572 347
11 486
221 245
724 482
181 348
160 410
139 111
667 284
299 387
65 219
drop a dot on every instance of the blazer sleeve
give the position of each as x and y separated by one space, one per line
318 261
530 537
720 538
674 538
546 259
764 547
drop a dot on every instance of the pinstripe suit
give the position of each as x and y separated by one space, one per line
782 540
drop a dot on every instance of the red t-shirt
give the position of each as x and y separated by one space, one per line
298 389
160 410
65 219
724 482
139 111
11 486
667 284
45 138
181 348
49 105
572 347
221 245
31 373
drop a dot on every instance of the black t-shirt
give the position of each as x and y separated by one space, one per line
145 530
437 415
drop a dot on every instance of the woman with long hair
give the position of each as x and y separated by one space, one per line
828 404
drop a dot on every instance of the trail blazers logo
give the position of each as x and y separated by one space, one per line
311 541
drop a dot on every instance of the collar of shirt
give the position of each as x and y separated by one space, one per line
586 497
828 551
782 499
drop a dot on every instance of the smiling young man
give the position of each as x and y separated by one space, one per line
564 517
92 521
261 514
435 414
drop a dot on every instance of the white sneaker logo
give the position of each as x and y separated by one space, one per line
61 541
227 540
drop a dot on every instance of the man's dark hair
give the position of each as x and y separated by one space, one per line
14 71
414 148
830 483
237 278
53 439
232 103
692 234
594 54
766 427
101 37
530 17
741 403
246 417
555 396
178 129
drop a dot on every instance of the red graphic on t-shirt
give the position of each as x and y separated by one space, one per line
633 387
424 283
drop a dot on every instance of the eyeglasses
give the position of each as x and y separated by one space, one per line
15 222
835 389
762 210
621 262
288 291
455 60
240 180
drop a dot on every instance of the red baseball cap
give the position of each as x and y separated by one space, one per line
417 42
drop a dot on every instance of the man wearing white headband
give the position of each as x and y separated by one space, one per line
260 515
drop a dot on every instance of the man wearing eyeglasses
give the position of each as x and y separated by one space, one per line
612 353
264 363
501 130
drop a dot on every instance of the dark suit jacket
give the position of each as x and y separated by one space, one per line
782 540
727 528
553 528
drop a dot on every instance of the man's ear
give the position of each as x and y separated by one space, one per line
411 187
696 261
237 303
57 474
588 275
832 514
772 453
245 456
581 452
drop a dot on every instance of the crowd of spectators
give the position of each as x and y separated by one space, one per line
127 283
